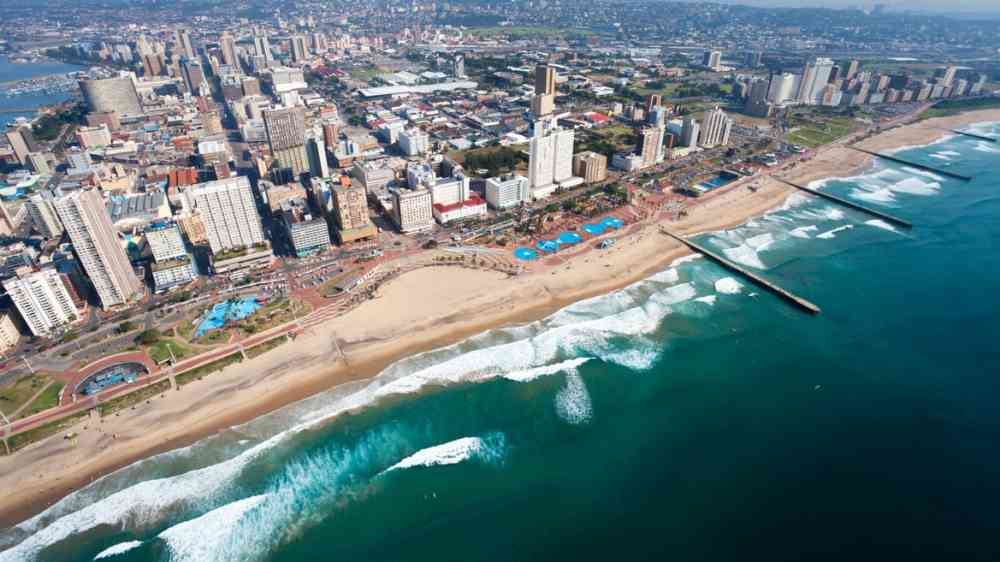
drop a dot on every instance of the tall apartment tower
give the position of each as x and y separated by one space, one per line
712 60
299 48
815 77
550 161
228 47
852 70
716 127
229 213
262 47
43 214
42 300
690 132
183 39
111 94
286 135
651 142
96 244
545 80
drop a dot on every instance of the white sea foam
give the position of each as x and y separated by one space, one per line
916 186
834 214
925 173
206 537
940 156
803 231
833 233
728 286
707 299
760 241
667 276
573 402
986 146
949 153
744 255
685 259
879 223
546 370
883 195
797 199
452 452
115 550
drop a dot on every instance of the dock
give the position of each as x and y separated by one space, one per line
799 302
915 165
849 204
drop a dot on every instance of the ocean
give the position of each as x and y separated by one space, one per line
10 72
689 416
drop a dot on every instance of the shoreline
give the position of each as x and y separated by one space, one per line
358 345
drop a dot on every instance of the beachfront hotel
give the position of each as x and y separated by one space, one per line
228 212
42 300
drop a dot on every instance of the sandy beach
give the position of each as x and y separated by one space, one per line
420 310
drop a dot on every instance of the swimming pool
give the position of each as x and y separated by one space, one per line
550 246
719 180
526 254
569 238
593 229
230 310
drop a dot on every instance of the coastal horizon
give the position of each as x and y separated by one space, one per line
362 360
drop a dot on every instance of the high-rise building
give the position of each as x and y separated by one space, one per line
757 104
654 100
712 60
183 40
543 104
95 241
316 149
815 77
946 75
350 211
9 334
783 88
591 166
414 142
550 161
852 70
690 132
308 233
111 94
42 300
172 265
753 59
545 80
43 214
412 209
507 191
300 50
228 212
286 135
458 66
21 141
716 126
193 73
262 47
650 145
228 47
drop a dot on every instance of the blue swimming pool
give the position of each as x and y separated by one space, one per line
526 254
593 229
549 246
614 223
228 311
569 238
719 180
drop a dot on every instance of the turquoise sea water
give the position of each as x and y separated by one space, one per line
688 417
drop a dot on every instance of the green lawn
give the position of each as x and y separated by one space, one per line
820 131
15 395
161 350
45 400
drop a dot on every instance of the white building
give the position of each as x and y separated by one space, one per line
43 215
96 243
690 131
165 242
227 210
374 176
453 200
507 191
9 334
42 300
815 76
716 127
414 142
550 164
783 88
420 175
626 162
412 209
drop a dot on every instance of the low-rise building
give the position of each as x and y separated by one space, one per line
590 166
308 234
507 191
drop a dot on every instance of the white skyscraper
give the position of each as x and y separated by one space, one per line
783 87
550 163
227 209
715 129
42 300
96 243
43 215
815 76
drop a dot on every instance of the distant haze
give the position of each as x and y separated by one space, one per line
938 6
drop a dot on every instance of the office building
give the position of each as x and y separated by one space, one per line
783 88
715 129
412 209
590 166
182 37
43 214
228 47
757 104
111 94
194 75
414 142
350 211
95 241
316 149
507 191
9 334
815 76
374 176
543 104
286 135
228 213
458 66
308 234
42 300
